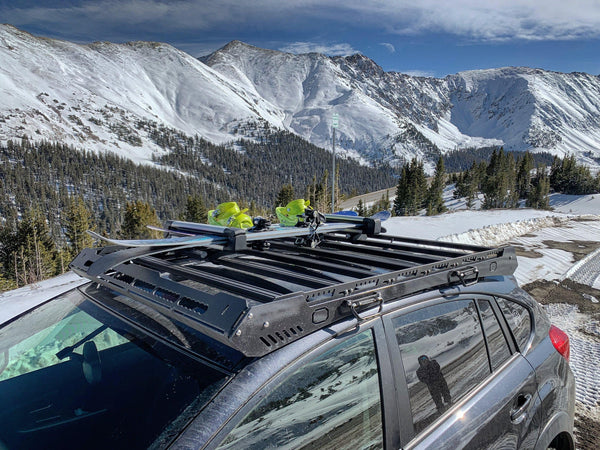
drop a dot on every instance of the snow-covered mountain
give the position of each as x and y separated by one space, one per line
93 96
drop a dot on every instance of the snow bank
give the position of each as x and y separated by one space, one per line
518 221
502 233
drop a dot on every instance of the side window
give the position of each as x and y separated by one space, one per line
444 356
331 402
518 319
497 343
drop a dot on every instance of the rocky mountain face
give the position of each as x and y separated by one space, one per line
97 96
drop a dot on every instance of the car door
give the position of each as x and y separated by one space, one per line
461 383
337 396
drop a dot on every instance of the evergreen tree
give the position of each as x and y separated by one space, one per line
435 200
77 220
319 194
35 252
411 190
568 177
468 184
138 215
8 246
360 208
383 204
195 211
285 195
6 284
402 192
538 195
499 187
524 175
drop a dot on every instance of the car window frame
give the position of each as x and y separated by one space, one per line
500 319
386 382
405 416
504 323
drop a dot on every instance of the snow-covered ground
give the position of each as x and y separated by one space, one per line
574 220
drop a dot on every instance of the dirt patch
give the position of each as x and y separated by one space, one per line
579 249
590 334
567 291
522 251
587 433
587 218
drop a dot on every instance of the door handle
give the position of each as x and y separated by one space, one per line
519 412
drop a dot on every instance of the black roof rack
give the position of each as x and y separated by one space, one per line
257 298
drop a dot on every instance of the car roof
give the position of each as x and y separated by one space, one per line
258 292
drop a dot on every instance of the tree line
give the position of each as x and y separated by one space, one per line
50 193
47 175
504 182
30 252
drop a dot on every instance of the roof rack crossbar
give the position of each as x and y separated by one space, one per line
356 257
401 255
428 242
238 287
388 244
271 271
240 276
318 264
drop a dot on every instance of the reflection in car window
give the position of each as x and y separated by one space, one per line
331 402
42 348
498 346
518 319
77 376
443 354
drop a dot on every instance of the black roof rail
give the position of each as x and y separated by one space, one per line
257 299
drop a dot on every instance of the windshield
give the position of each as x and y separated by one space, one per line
72 375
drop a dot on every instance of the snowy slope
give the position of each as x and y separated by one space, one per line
391 115
382 115
529 108
93 96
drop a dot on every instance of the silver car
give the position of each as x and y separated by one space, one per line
359 341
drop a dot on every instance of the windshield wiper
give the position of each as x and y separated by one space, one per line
68 351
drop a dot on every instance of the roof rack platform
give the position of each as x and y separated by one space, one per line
262 293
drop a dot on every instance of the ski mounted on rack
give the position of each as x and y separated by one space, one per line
256 291
196 235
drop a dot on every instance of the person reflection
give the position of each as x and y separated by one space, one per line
429 372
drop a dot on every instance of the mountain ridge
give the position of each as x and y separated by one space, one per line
92 95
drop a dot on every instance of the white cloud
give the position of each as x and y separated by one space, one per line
487 20
388 46
311 47
503 19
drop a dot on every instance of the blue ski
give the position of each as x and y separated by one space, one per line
191 234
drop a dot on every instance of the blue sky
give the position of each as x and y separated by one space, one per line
421 37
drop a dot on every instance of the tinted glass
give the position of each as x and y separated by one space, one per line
497 344
74 376
167 328
331 402
444 356
518 319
